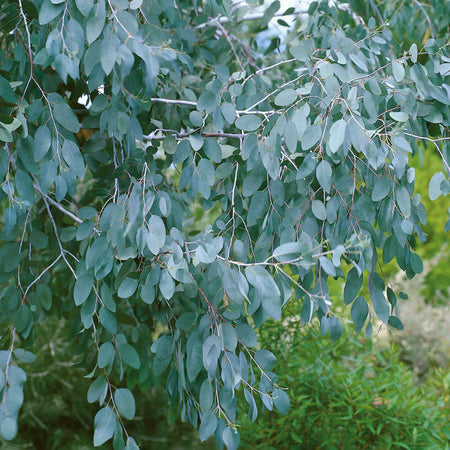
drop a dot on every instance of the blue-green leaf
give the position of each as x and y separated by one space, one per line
95 21
399 116
97 390
108 53
24 355
228 112
434 188
318 209
208 426
166 285
352 285
82 289
157 234
207 102
379 303
10 217
287 252
286 97
129 355
398 71
125 403
128 287
104 426
323 174
381 189
403 201
24 186
395 322
131 443
42 142
48 12
311 137
246 334
64 115
84 6
8 428
73 158
337 134
105 355
206 396
359 313
108 320
231 438
281 401
250 122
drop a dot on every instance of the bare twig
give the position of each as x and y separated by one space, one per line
173 102
434 141
427 17
40 275
227 37
60 207
55 228
180 134
57 205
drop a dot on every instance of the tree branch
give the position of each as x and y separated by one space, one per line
434 141
57 205
173 102
427 17
178 134
48 199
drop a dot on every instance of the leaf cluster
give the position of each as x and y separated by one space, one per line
118 119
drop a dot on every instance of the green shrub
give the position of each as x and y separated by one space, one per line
436 286
352 397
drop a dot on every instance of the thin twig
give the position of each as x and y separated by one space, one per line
40 275
227 37
434 141
57 205
173 102
55 228
427 17
61 208
180 134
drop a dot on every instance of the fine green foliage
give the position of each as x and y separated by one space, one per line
436 285
367 401
118 120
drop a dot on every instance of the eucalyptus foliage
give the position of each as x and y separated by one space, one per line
119 119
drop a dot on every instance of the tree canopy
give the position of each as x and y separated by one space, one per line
168 183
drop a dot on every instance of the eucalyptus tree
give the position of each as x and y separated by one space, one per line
123 122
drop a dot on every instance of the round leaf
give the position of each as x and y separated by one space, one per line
125 403
249 122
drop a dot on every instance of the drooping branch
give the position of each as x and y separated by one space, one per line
57 205
60 207
61 248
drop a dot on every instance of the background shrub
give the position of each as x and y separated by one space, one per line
353 396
